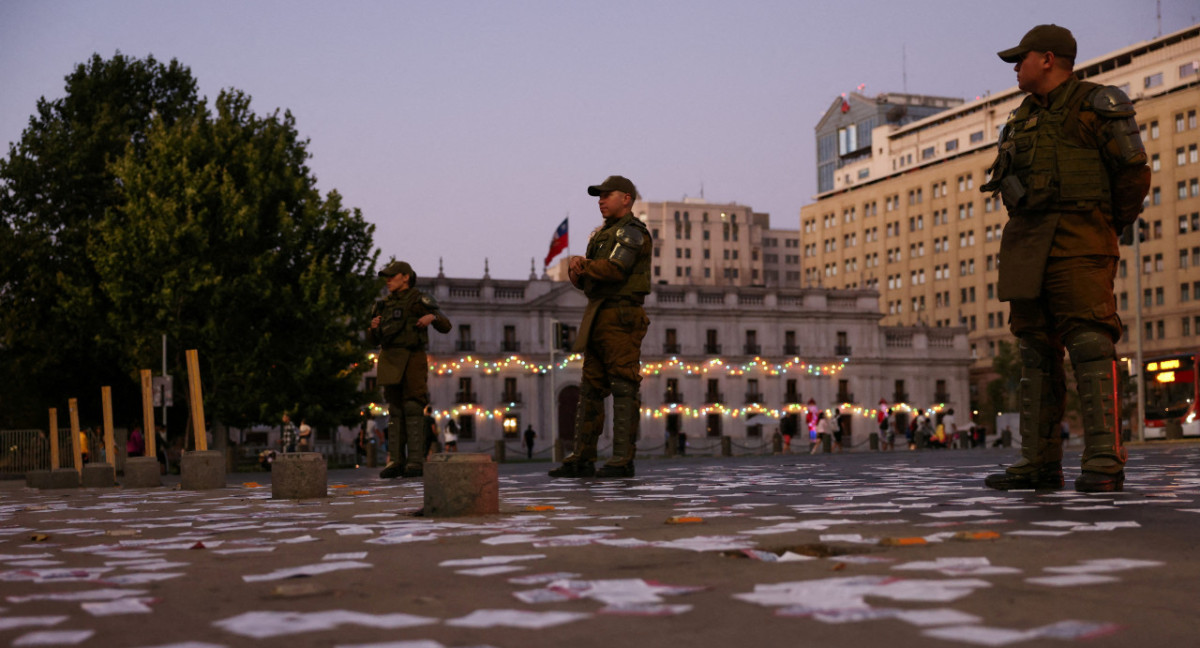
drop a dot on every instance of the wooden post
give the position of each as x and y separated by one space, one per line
53 439
196 400
110 450
148 434
73 407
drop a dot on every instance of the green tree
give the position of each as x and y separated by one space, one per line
225 244
214 233
55 185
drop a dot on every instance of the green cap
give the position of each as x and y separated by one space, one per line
614 183
399 267
1043 38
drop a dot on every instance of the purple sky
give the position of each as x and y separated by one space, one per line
467 130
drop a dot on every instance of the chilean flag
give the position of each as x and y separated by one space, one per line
558 242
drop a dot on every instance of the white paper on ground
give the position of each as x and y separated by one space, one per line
8 623
980 635
53 638
119 606
491 570
1069 580
516 619
353 555
88 595
306 570
261 625
489 560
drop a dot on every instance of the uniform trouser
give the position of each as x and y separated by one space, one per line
1075 312
612 364
406 406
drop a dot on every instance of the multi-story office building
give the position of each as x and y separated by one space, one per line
698 243
909 219
742 362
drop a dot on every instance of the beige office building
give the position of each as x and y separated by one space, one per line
698 243
907 218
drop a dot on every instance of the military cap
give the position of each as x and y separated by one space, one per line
614 183
1043 38
399 267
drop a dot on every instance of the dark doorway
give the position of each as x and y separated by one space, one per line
568 401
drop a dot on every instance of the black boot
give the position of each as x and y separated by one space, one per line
392 471
574 468
1094 482
1047 477
615 472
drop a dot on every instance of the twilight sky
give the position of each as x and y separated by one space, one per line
467 129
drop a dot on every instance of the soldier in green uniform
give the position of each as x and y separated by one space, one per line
1072 172
400 326
615 276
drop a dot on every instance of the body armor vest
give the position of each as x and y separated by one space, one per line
1041 150
601 245
398 329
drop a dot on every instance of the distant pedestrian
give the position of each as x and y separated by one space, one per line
287 435
304 438
530 435
135 446
451 436
432 444
822 430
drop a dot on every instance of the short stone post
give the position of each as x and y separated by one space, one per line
299 475
202 470
461 483
726 446
141 472
874 440
500 451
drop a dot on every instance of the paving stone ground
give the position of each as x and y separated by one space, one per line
866 549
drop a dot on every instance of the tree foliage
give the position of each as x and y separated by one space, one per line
215 234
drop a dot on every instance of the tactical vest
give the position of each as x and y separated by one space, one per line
1042 150
398 329
601 245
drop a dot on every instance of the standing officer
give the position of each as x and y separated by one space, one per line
615 276
399 325
1072 172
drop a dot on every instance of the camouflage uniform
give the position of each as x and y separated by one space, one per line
1072 173
616 282
403 370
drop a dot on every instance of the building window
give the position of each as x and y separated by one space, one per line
466 427
712 427
1153 81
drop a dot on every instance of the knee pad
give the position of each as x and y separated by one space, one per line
1090 345
624 388
1035 353
413 408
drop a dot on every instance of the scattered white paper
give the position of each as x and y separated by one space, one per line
119 606
306 570
489 560
261 625
54 638
516 619
1069 580
8 623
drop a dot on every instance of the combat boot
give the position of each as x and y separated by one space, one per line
397 438
589 422
1042 394
1103 455
626 419
414 421
392 471
574 467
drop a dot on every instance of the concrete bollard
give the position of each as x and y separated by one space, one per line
372 455
461 483
827 443
500 451
64 478
726 446
777 445
202 470
99 475
299 475
142 472
874 440
37 479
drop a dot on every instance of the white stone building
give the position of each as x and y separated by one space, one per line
718 361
